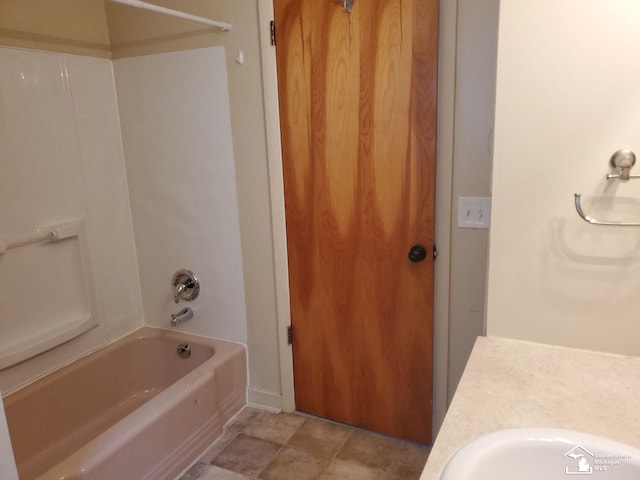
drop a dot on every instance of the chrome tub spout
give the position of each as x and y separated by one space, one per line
181 316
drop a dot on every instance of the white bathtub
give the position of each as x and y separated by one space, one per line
134 410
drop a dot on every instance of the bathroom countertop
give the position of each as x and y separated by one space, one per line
516 384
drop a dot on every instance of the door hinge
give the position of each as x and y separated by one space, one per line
290 335
435 252
273 33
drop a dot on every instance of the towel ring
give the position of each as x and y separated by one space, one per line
593 221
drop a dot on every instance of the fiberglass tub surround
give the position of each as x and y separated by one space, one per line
70 200
136 409
67 232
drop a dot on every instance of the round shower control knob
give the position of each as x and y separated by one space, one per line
186 285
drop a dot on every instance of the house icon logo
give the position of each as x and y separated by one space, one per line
581 461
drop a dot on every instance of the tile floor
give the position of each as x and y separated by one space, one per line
269 446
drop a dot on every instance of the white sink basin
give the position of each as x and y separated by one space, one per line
543 454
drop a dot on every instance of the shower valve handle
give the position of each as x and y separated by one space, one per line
186 285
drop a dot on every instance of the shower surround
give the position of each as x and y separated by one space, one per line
64 151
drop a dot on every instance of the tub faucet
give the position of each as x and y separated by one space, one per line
181 316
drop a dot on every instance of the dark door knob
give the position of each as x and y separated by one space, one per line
417 253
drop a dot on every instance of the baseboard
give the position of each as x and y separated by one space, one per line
263 399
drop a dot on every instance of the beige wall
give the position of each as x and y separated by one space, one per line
476 52
71 26
567 98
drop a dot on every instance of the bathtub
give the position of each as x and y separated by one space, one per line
133 410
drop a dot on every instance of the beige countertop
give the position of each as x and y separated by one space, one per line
515 384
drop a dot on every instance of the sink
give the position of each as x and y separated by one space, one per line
542 454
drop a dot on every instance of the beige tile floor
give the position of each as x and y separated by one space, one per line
269 446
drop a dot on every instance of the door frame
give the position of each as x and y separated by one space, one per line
444 176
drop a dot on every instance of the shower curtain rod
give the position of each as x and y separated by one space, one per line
174 13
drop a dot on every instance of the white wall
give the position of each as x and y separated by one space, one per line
263 254
109 222
174 109
62 160
568 96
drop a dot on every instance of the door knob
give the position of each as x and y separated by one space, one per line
417 253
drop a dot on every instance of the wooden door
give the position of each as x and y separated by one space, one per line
357 96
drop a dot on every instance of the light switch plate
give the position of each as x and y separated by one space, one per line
474 212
